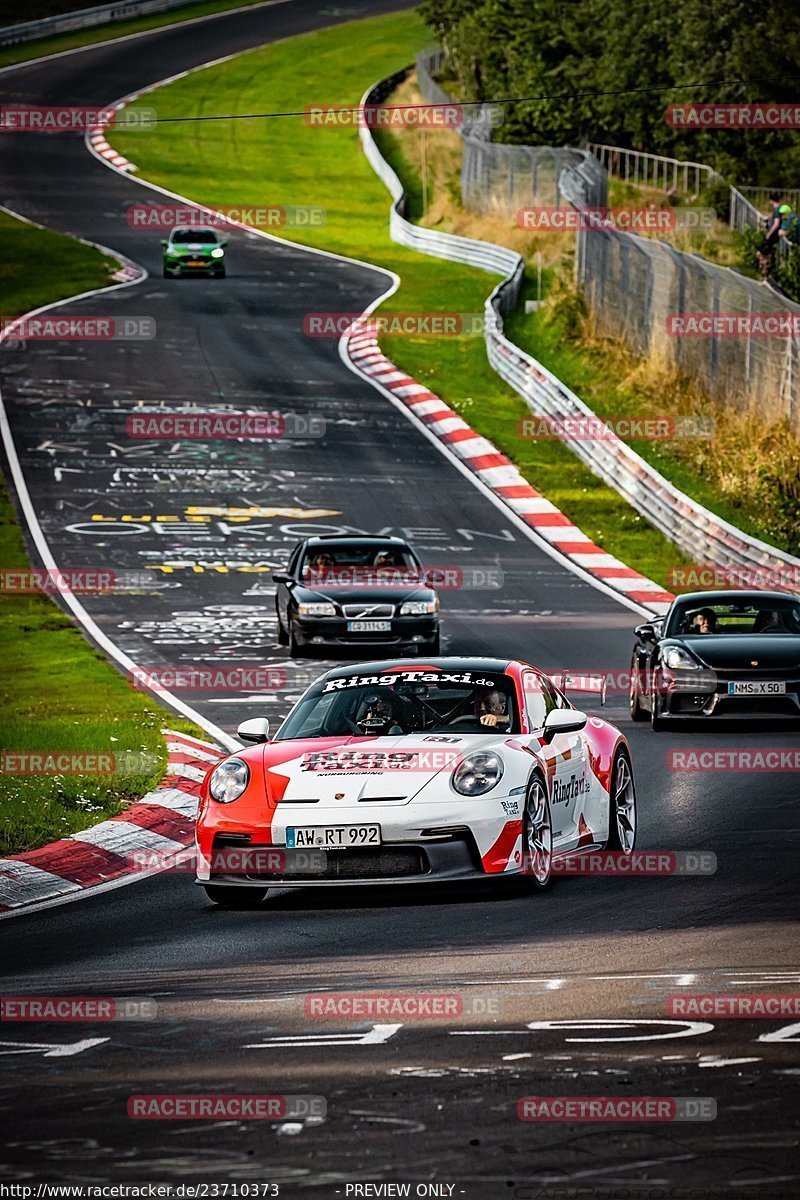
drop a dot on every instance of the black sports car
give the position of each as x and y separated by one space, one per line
718 654
350 591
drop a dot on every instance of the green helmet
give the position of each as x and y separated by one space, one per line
785 208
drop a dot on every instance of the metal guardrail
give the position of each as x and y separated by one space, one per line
705 537
653 170
759 196
85 18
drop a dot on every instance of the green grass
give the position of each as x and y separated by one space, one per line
56 692
286 161
39 267
88 37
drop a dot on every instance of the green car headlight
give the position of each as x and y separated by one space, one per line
218 253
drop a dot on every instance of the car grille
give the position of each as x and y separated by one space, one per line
368 612
354 863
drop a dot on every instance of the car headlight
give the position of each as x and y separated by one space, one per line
229 780
317 608
418 608
218 253
678 659
477 774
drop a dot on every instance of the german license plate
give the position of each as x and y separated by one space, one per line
369 626
332 837
756 687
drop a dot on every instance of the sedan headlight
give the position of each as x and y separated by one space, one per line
229 780
418 608
677 658
317 608
218 253
477 774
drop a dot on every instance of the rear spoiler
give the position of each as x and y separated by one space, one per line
591 682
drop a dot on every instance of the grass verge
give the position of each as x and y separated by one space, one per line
59 42
58 694
289 162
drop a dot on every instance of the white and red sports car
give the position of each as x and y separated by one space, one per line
408 772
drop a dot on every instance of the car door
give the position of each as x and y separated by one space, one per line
283 584
564 758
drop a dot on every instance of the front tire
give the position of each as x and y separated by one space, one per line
234 897
636 710
622 810
537 836
295 649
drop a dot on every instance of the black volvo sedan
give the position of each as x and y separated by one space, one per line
728 654
351 591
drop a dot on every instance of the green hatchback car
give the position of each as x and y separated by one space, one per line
194 252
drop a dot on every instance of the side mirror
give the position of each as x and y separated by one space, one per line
255 730
281 577
164 243
563 720
646 633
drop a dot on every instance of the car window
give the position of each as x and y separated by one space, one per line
540 698
750 615
344 563
412 701
293 561
185 236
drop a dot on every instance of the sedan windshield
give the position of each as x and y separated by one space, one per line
341 564
403 702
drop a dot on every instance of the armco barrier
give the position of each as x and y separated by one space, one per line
85 18
699 533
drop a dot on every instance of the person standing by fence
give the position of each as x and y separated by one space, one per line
766 251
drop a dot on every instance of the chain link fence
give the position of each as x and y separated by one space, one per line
502 179
659 299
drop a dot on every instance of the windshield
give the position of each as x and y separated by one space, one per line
199 236
412 701
749 615
345 563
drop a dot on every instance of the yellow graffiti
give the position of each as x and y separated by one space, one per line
244 514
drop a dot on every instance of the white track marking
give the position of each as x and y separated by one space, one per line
52 1049
122 837
374 1037
38 884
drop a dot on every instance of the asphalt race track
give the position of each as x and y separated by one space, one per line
432 1101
